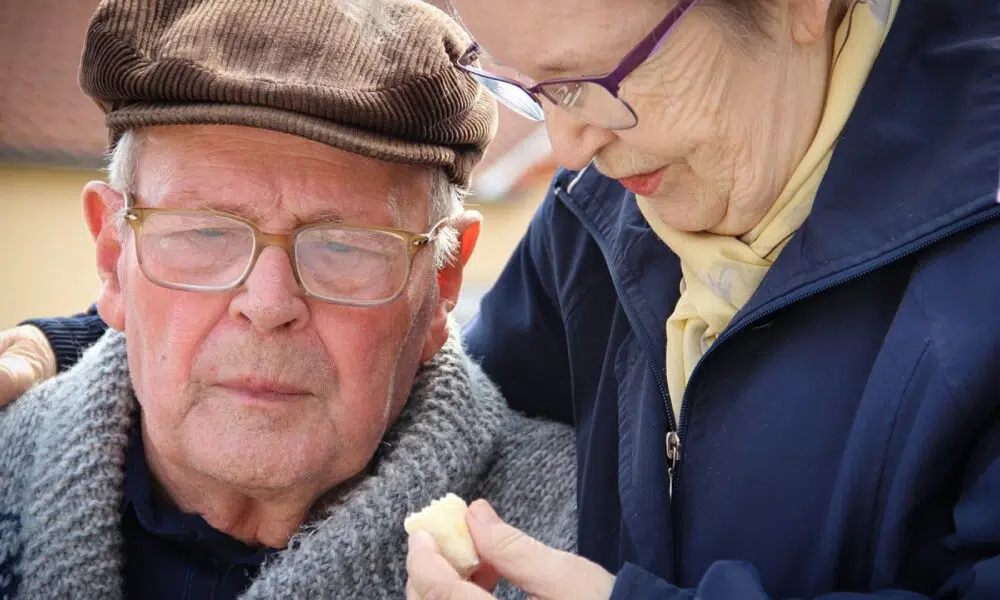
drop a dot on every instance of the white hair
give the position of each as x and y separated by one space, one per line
445 200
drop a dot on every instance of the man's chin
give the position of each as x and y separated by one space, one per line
252 449
254 465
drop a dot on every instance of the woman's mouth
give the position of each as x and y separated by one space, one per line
645 184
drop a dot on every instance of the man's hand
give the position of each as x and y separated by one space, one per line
538 570
26 358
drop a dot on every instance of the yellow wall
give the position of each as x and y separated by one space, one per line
47 257
503 225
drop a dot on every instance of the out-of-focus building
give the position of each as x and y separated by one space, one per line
52 141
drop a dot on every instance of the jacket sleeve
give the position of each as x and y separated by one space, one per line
726 580
518 335
973 543
70 336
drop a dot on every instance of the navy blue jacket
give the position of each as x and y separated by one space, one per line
843 433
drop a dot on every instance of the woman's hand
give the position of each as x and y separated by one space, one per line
538 570
26 358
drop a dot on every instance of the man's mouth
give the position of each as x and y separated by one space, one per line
262 389
645 184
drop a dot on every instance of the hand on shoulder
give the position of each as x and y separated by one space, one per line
26 358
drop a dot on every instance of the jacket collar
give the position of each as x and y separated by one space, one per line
918 160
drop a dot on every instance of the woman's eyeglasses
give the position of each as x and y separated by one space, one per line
593 100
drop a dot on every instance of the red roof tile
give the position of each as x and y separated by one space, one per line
43 113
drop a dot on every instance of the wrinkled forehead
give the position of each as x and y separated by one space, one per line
267 176
559 38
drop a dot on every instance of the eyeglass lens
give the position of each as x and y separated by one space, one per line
213 252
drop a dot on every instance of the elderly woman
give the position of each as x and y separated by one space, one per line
766 297
763 294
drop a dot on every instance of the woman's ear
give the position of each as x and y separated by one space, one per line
449 277
102 208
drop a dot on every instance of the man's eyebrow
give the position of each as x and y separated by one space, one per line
252 212
256 216
325 218
248 212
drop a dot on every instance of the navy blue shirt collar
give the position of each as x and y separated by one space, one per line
158 517
172 554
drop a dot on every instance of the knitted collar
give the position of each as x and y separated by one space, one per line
353 546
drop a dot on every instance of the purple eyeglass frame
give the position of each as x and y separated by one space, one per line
611 81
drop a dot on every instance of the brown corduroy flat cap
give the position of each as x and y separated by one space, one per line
374 77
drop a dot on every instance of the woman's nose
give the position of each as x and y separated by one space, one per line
574 143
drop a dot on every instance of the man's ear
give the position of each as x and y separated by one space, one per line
449 276
809 20
101 207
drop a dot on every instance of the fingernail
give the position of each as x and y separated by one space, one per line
483 513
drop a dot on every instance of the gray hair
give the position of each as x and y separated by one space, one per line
446 198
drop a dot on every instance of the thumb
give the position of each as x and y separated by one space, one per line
26 358
538 570
16 376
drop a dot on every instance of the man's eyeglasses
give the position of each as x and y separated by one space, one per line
593 100
212 251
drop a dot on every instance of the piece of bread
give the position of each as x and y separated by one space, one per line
444 519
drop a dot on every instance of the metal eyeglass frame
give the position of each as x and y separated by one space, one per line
610 81
136 216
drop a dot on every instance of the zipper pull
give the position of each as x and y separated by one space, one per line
673 455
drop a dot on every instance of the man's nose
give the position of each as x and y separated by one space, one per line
574 143
271 299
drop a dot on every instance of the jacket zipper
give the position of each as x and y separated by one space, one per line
673 455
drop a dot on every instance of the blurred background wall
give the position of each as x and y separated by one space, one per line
52 141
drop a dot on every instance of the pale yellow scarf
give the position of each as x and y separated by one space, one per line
720 273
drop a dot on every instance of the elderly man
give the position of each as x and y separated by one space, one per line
279 247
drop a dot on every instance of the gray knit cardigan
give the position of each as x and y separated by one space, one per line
62 457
